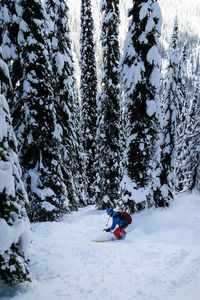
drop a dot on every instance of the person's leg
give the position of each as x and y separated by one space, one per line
117 233
122 232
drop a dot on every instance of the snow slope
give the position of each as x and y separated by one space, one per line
158 260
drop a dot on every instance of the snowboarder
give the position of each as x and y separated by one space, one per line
122 219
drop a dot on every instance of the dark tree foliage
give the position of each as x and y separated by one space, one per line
14 222
9 29
35 119
191 157
88 91
170 98
108 151
65 98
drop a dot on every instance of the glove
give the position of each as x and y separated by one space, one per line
107 230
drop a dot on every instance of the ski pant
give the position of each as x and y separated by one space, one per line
120 232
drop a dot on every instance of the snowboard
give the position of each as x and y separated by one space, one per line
102 241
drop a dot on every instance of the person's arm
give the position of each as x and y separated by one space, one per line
114 224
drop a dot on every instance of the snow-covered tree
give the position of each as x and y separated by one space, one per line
187 125
9 28
35 118
141 81
170 107
88 92
14 223
191 155
63 84
108 152
182 117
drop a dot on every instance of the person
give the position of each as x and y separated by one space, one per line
119 233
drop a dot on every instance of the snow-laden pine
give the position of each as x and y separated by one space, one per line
183 119
14 223
10 11
88 95
107 140
35 119
65 98
189 159
170 103
140 71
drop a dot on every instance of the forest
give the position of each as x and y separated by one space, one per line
122 132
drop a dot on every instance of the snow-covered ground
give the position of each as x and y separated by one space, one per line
158 260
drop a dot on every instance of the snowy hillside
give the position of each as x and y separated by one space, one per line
158 260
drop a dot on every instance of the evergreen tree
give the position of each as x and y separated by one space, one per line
9 28
34 116
182 118
170 105
191 157
108 152
14 223
190 163
88 92
63 84
10 13
141 81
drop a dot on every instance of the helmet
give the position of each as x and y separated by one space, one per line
109 211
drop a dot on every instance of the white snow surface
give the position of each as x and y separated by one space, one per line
4 68
19 232
6 178
158 260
